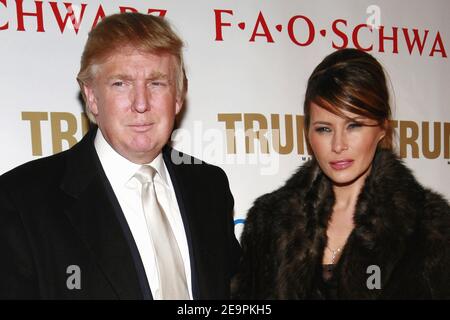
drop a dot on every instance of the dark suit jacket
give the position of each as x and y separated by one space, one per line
61 211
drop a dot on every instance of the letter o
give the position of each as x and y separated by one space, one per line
310 29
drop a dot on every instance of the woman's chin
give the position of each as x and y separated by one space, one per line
343 179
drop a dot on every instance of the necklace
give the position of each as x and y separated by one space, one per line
334 253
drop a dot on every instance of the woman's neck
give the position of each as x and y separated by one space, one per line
346 195
341 222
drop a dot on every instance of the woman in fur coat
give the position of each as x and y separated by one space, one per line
352 223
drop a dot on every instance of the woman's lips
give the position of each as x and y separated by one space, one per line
341 164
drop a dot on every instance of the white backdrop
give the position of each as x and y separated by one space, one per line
245 60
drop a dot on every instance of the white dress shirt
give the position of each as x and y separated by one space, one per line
120 173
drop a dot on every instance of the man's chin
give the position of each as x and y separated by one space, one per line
147 153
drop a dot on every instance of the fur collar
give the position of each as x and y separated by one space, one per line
292 223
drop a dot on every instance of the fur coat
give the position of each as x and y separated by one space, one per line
399 226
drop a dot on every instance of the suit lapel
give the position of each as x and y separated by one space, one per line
197 207
96 216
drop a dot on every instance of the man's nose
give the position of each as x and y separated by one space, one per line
141 98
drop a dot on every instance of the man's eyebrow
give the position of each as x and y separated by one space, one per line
158 75
120 76
152 76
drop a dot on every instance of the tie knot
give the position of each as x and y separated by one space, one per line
145 174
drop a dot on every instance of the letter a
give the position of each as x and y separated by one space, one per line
74 280
374 281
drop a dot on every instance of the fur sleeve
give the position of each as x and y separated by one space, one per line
436 225
253 280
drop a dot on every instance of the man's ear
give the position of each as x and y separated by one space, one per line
179 105
91 101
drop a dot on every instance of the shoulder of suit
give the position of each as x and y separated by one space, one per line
37 171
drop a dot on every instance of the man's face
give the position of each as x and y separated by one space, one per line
134 101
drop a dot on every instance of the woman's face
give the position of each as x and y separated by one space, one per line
343 148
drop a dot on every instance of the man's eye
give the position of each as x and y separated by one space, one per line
118 84
158 83
322 129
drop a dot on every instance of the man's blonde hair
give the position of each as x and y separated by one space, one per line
146 33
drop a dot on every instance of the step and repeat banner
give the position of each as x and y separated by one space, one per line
247 63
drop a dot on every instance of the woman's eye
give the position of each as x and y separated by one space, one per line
322 129
354 125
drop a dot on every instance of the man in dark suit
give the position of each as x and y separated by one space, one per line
120 215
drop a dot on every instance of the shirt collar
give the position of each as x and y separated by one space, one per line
120 170
160 167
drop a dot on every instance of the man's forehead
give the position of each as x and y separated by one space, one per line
134 63
129 52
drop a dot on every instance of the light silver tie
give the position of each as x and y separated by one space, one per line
172 278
